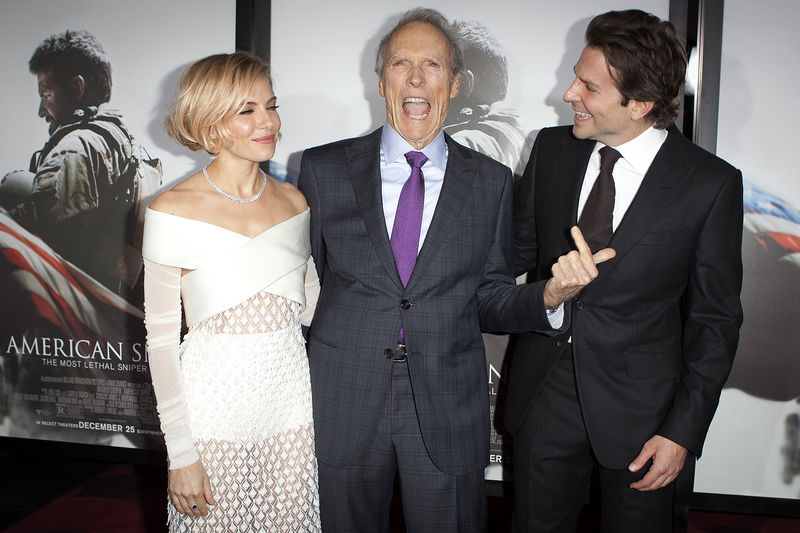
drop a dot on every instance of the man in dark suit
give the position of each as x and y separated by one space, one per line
397 362
632 383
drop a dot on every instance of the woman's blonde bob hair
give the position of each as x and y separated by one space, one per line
210 91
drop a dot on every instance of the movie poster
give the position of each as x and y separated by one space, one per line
77 168
753 446
519 54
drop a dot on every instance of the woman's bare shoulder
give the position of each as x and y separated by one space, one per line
182 197
292 196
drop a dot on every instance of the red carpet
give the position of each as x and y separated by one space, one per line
46 494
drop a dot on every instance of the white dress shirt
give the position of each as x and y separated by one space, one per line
628 172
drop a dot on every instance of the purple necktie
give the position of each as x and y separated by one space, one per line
408 219
597 219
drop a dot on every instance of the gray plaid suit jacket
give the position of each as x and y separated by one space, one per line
462 283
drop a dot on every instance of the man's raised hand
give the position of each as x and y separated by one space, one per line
573 271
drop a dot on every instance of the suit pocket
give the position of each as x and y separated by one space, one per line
316 339
654 365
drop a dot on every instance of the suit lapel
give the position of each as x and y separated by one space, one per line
661 184
456 188
574 160
363 163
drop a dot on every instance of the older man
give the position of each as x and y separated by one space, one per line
411 234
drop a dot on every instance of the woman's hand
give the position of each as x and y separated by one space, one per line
190 489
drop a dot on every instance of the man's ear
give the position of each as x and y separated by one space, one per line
638 109
77 86
455 87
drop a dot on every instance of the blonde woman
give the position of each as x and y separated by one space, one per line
229 246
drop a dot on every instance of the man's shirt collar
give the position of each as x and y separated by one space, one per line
640 151
395 147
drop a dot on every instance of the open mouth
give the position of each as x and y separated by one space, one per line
416 108
582 116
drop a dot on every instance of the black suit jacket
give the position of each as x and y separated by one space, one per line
654 336
462 282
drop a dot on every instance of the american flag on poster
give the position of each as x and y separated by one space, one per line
61 294
774 222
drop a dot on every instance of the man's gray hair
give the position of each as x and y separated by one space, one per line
435 19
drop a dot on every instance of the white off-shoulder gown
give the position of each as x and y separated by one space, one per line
236 392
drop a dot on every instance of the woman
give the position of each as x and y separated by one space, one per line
232 244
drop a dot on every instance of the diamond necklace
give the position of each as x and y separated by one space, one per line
236 199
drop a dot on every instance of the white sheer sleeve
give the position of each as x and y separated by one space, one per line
312 293
162 318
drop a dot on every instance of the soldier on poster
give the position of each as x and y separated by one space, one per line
477 118
85 190
73 361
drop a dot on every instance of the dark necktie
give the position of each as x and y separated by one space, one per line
408 219
597 218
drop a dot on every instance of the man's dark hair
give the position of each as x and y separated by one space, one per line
645 57
75 53
484 57
427 16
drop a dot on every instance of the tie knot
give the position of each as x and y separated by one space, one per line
608 158
416 159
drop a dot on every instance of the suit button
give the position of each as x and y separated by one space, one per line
405 304
559 343
579 305
389 353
